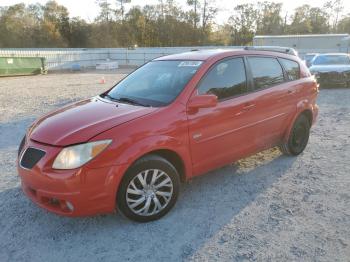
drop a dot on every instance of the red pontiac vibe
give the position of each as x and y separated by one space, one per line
174 118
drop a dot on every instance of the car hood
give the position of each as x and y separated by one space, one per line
79 122
329 68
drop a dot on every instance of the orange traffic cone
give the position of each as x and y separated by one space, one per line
103 80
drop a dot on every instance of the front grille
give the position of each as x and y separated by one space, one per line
31 156
334 76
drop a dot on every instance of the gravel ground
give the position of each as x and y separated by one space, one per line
264 208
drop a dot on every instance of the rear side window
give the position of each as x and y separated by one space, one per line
292 69
266 71
225 79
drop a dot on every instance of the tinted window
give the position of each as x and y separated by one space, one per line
225 79
331 60
266 71
157 83
292 69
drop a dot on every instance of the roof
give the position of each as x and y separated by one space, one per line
197 55
206 54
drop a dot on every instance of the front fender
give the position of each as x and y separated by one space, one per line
149 144
155 143
128 152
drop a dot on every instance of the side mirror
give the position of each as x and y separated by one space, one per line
202 101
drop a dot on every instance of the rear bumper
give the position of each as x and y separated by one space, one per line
315 111
79 192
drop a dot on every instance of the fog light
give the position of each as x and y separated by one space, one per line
69 206
54 201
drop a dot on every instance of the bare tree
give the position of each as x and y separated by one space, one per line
209 12
334 9
122 8
194 14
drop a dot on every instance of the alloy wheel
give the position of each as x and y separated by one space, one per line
149 192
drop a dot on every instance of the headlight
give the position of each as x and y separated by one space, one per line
76 156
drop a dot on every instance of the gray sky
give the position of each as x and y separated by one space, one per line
88 10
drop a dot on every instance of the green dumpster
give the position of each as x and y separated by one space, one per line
11 66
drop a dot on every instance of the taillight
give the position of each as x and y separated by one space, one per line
21 145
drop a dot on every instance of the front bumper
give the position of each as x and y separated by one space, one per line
333 79
80 192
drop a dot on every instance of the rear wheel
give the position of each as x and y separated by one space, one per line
149 189
298 137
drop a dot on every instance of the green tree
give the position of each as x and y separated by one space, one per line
80 33
344 25
269 19
56 23
309 20
243 24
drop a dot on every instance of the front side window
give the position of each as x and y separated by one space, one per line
157 83
266 72
226 79
292 69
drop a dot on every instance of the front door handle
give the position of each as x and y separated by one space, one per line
248 107
245 108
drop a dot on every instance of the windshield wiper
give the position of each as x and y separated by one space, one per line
110 97
126 100
131 101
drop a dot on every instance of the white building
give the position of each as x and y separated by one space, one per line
322 43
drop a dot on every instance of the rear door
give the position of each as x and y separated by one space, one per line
273 99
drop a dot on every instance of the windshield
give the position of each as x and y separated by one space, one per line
308 58
157 83
331 60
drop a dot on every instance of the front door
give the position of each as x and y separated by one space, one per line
224 133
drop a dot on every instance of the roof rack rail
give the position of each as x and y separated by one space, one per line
279 49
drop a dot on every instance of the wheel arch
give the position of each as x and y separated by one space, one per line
308 114
174 158
170 155
302 111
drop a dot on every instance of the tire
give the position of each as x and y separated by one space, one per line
149 189
298 138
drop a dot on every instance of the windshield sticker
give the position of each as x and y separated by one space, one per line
190 63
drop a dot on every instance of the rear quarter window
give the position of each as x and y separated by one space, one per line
292 69
266 71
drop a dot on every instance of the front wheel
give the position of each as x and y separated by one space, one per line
149 189
298 137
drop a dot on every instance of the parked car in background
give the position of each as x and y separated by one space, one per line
331 70
174 118
308 58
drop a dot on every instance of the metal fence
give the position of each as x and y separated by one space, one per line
66 58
